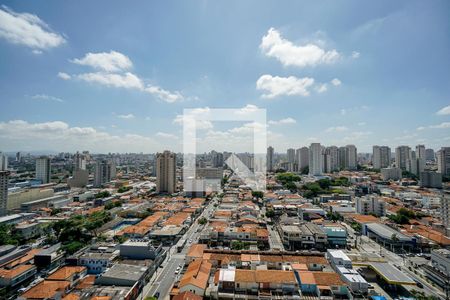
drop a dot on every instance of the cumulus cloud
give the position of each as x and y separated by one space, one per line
275 86
164 94
444 111
443 125
27 30
283 121
127 80
336 82
274 45
126 117
112 72
166 135
20 134
355 54
321 88
112 61
336 129
46 97
200 124
64 76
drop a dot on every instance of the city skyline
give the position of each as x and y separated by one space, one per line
324 74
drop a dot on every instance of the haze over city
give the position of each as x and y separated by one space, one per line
253 150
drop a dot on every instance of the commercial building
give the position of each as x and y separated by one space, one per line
381 157
439 271
166 172
43 169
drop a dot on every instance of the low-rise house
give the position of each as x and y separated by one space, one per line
196 277
46 289
12 277
68 273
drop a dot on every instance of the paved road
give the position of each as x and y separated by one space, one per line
274 238
165 277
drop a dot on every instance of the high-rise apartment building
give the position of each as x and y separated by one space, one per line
4 178
352 157
43 169
270 165
290 155
402 157
302 157
3 162
331 159
381 157
443 161
166 172
79 163
429 155
315 159
217 159
421 152
445 209
105 171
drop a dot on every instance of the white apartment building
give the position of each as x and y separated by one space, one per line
315 159
381 157
370 205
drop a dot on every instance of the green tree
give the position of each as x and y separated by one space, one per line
270 213
258 194
202 221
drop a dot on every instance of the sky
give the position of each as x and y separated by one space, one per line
110 76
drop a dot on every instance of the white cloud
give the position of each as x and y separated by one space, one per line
336 82
284 86
248 109
166 135
19 134
110 62
127 80
356 136
336 129
274 45
321 88
443 125
283 121
361 123
343 111
28 30
164 95
113 66
64 76
444 111
355 54
46 97
421 128
126 117
200 124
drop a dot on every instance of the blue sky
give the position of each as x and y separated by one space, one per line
107 76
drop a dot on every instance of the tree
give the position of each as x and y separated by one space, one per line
202 221
394 237
258 194
270 213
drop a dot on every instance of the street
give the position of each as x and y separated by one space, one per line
165 277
